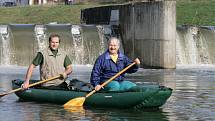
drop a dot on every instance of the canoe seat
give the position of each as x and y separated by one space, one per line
79 85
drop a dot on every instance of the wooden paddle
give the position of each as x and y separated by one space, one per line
79 101
31 85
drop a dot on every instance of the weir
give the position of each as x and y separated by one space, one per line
195 45
19 43
4 45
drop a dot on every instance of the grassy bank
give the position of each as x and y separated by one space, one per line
42 14
191 12
196 12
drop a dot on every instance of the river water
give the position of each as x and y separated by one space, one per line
193 97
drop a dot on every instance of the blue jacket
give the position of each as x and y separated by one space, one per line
104 68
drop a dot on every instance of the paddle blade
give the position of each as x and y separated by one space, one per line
75 102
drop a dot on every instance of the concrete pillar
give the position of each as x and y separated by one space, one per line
127 29
148 31
31 2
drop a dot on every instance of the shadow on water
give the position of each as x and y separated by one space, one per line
129 114
52 112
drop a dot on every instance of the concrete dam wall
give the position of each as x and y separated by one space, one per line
147 29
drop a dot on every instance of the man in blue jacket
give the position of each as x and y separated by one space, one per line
109 64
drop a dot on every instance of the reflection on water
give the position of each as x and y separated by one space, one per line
76 109
193 97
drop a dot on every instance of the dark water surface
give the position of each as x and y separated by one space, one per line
193 97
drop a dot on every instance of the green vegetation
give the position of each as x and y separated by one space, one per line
42 14
196 12
189 12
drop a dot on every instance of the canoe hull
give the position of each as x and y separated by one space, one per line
146 97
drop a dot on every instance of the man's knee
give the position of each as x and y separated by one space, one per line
125 85
113 86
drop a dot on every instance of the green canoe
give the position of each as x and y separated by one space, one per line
148 96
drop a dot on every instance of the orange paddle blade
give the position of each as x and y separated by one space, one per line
75 102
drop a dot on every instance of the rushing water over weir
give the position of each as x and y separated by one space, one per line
83 43
195 45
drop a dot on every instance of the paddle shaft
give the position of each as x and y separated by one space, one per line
31 85
112 78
